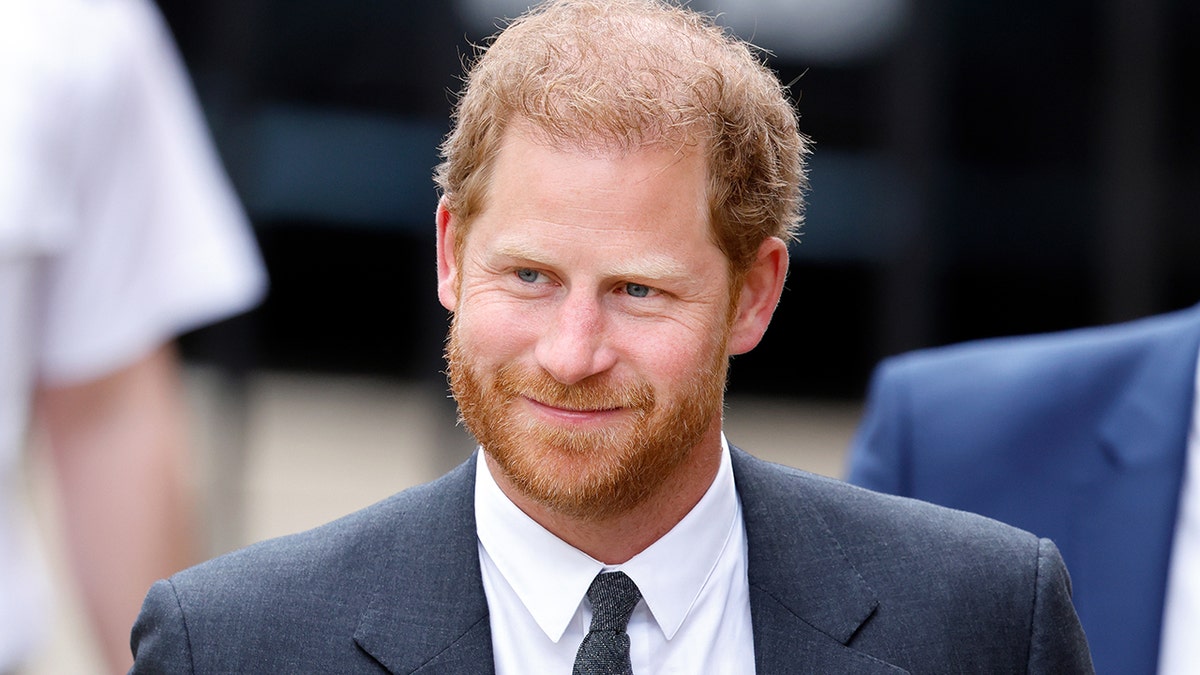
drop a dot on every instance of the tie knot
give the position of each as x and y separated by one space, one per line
613 596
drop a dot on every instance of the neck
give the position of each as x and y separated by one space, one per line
615 539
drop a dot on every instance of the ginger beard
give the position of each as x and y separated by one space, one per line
586 473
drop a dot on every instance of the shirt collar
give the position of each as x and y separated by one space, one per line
551 577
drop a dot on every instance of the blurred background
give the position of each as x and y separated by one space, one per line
981 168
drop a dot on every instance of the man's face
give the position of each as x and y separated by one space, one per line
591 318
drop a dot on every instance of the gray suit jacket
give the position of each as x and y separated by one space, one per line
842 580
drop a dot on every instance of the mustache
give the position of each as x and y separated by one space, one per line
593 393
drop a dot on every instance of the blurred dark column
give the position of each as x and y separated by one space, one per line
1129 259
915 98
214 39
229 347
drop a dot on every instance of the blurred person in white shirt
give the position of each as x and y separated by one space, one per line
118 232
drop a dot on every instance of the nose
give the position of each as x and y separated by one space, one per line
574 345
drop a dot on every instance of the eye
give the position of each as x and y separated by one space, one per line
638 290
529 276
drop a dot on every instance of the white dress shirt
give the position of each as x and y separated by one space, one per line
1179 652
694 616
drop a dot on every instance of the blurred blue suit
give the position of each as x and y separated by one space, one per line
1077 436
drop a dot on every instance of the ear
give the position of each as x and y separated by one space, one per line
760 294
447 262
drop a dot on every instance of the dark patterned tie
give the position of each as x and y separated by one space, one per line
605 649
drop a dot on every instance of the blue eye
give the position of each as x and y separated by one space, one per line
637 290
527 275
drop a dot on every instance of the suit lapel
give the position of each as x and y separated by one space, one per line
428 613
806 599
1143 438
785 643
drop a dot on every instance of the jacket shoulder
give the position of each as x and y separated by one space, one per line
946 586
303 596
866 522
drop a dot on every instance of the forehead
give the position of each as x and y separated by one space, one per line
535 184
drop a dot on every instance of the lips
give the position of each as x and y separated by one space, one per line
574 415
589 399
569 409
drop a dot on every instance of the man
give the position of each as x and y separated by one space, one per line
616 195
1082 436
118 232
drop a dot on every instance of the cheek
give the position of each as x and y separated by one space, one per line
669 357
492 331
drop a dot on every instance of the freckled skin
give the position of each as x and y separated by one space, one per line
597 271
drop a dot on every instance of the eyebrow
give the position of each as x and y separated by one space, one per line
654 267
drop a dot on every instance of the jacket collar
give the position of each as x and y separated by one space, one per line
806 598
437 623
1149 422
